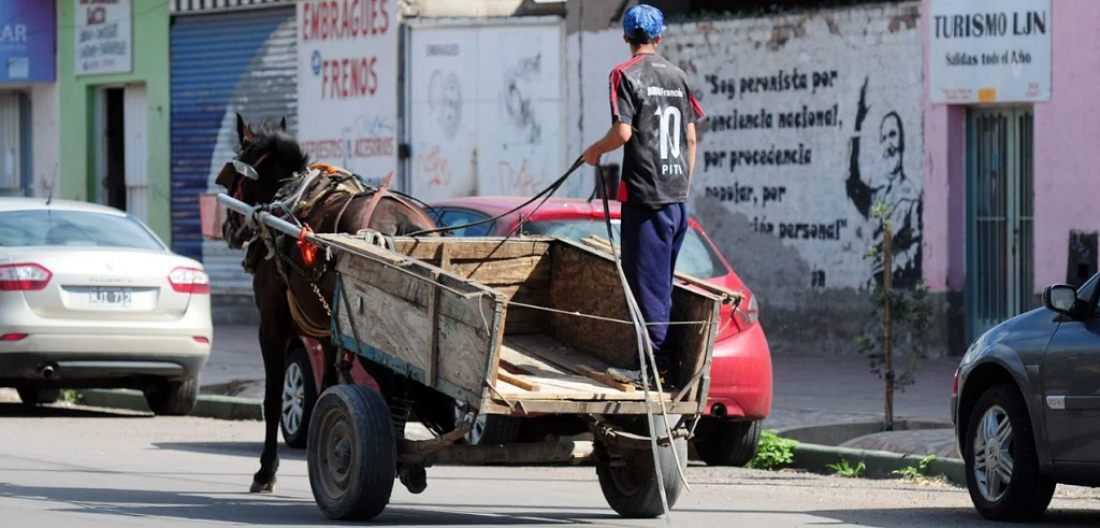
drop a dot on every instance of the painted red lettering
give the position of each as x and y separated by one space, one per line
385 18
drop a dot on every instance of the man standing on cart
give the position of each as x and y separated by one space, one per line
653 113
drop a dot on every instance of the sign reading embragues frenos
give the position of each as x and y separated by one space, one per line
347 84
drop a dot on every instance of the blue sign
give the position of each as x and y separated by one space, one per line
28 41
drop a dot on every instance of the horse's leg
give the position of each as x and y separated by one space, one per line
276 331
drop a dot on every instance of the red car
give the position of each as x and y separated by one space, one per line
740 394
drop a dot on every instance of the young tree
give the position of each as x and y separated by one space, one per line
898 324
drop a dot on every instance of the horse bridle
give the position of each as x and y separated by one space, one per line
238 230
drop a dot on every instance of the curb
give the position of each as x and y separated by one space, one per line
208 406
879 464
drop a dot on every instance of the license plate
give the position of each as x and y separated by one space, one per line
113 297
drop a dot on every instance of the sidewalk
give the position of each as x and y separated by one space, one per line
808 391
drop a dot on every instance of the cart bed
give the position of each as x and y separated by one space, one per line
457 314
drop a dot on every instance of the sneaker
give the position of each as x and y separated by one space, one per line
635 377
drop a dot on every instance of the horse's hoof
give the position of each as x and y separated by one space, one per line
414 478
266 487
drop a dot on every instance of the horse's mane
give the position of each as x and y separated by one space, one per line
286 150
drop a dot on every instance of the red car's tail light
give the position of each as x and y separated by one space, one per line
23 277
189 280
12 337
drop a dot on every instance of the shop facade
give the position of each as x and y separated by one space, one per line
28 96
1009 178
226 58
113 79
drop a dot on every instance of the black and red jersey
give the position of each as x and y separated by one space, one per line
652 95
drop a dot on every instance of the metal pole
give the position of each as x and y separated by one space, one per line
270 220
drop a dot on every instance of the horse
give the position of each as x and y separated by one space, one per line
293 297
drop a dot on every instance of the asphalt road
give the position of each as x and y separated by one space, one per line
86 468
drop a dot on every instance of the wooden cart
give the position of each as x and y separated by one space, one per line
506 327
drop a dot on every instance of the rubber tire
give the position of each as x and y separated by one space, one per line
499 429
645 501
729 443
373 452
173 398
297 439
31 397
1029 492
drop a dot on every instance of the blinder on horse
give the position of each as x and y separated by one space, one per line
232 177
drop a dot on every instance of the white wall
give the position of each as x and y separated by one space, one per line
46 136
487 107
788 226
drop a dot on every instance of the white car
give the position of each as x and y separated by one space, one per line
90 297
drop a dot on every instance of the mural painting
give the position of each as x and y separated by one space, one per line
804 133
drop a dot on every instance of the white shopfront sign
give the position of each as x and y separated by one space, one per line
989 51
104 38
347 84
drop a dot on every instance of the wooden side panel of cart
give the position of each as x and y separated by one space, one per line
476 337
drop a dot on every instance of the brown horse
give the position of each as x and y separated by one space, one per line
294 299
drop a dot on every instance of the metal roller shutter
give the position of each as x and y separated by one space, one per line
223 63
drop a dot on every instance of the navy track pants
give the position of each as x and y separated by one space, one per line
651 241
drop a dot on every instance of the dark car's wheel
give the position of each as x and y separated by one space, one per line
1002 465
173 398
299 397
38 396
729 443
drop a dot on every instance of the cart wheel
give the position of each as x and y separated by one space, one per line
629 482
351 453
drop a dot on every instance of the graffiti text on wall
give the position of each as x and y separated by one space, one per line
795 152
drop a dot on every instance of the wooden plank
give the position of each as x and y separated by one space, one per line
495 406
464 354
605 379
386 322
518 381
588 283
427 249
529 364
363 248
550 350
574 388
434 316
385 278
520 270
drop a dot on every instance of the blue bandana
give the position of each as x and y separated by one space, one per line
645 17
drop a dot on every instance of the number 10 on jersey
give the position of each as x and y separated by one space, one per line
668 124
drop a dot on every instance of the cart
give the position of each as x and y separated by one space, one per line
514 326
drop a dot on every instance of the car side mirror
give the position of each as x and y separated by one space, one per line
1061 298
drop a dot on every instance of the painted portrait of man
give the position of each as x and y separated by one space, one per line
888 183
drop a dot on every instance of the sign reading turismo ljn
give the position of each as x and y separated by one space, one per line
27 41
989 51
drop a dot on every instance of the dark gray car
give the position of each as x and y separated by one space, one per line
1026 405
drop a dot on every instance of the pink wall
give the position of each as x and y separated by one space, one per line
1066 184
1067 129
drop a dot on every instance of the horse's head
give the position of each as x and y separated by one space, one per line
267 158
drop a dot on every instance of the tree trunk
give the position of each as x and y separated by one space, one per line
887 286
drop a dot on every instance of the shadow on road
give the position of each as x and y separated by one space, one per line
264 510
19 410
240 449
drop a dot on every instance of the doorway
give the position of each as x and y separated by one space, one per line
114 150
1000 212
123 149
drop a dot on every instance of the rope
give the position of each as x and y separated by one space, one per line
547 192
609 319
